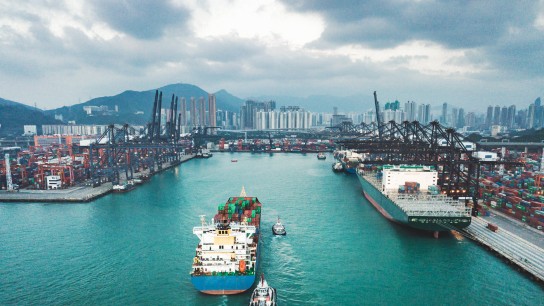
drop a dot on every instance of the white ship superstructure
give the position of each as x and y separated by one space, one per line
222 248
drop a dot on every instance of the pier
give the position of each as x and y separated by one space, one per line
520 252
84 193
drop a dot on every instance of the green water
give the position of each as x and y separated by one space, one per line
137 248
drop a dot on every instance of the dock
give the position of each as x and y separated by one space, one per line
81 193
516 250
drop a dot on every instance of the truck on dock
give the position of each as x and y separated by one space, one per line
492 227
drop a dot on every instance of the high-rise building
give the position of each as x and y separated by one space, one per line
470 120
444 115
212 110
489 116
497 115
511 116
249 110
192 113
201 111
424 113
460 123
410 108
183 111
504 116
454 117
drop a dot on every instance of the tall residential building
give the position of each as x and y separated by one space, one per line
489 117
531 116
444 115
504 116
410 108
201 111
212 110
511 117
424 113
497 115
183 111
460 123
470 120
192 113
249 110
454 117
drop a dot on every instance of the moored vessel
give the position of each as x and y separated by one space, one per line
263 294
408 194
337 167
321 155
129 185
227 255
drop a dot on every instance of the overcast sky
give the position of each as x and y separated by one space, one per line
467 53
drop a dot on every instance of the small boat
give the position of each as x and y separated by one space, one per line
123 187
278 228
263 295
321 156
234 160
337 167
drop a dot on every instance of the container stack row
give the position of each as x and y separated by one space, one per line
518 195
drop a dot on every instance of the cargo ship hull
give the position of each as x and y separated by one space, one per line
218 285
391 211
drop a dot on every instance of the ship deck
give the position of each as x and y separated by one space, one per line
423 204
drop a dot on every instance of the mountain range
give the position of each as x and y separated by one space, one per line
135 107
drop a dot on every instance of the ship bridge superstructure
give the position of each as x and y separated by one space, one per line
222 248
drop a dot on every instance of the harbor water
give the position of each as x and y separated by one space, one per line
138 247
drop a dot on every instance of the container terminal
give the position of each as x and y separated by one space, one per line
66 170
498 185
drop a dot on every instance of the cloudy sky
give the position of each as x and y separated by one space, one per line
467 53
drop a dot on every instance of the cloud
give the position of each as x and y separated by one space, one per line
143 19
382 23
429 51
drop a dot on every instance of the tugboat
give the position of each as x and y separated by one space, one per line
321 156
263 295
278 228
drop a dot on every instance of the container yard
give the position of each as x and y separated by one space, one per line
74 168
84 191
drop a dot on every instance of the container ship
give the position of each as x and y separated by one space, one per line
227 255
408 194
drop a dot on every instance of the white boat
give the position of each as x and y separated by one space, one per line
263 295
337 167
321 155
278 228
123 187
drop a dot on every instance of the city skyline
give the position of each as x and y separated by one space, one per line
467 54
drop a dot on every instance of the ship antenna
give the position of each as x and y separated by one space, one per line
243 192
